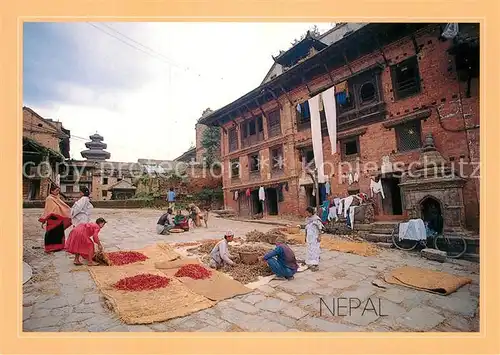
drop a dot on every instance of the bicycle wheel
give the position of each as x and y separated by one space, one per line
403 244
454 246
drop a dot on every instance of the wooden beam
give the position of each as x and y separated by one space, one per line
347 62
286 94
305 83
248 109
260 108
329 74
380 48
275 97
415 44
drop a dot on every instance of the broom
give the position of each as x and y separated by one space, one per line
101 258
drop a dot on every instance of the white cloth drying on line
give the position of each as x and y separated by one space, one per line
414 229
332 213
262 194
376 187
352 212
356 177
350 179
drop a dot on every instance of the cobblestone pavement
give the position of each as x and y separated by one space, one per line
58 299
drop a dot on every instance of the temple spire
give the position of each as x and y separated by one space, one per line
96 148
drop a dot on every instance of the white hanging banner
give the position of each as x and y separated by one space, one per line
450 31
317 139
330 108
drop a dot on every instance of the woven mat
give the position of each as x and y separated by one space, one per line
344 246
159 253
216 288
427 280
144 307
298 238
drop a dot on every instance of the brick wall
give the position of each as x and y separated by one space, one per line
439 87
40 131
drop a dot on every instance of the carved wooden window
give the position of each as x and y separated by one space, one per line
274 123
349 148
105 181
254 163
233 139
409 136
367 93
69 188
405 78
277 160
104 193
303 115
235 168
307 157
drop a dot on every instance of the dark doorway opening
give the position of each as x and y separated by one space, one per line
310 198
255 202
272 201
34 190
431 213
392 204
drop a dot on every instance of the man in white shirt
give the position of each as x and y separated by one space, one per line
220 253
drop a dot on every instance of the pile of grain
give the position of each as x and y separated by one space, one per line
248 273
269 237
338 228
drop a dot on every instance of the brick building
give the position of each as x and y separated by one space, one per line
409 93
45 146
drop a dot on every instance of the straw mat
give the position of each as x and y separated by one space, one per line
427 280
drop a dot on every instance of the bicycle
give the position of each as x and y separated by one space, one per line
454 246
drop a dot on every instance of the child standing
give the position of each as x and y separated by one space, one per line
313 238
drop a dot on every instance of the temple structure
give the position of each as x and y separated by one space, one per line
96 148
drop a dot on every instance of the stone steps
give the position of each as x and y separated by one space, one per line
378 238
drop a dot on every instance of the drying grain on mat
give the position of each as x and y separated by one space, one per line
142 282
193 271
117 258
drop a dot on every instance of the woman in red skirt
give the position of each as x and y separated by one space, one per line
81 241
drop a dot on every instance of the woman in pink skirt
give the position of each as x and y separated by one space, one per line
81 241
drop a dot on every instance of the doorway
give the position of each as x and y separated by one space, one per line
34 191
255 203
310 198
392 203
272 201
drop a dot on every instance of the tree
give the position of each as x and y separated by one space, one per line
210 141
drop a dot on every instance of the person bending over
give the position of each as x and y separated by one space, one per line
282 260
165 223
220 253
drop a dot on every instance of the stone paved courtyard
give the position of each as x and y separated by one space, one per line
60 299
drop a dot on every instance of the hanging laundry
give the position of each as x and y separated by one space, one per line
248 192
376 187
352 212
341 98
340 206
350 178
332 213
317 139
322 193
342 87
327 188
321 105
262 194
356 177
299 108
236 194
281 198
331 116
347 204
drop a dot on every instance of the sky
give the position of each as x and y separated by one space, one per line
143 86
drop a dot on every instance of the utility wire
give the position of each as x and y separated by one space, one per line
155 54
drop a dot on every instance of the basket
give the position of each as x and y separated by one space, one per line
249 258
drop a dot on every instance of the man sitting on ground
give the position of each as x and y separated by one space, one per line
282 260
165 223
220 253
